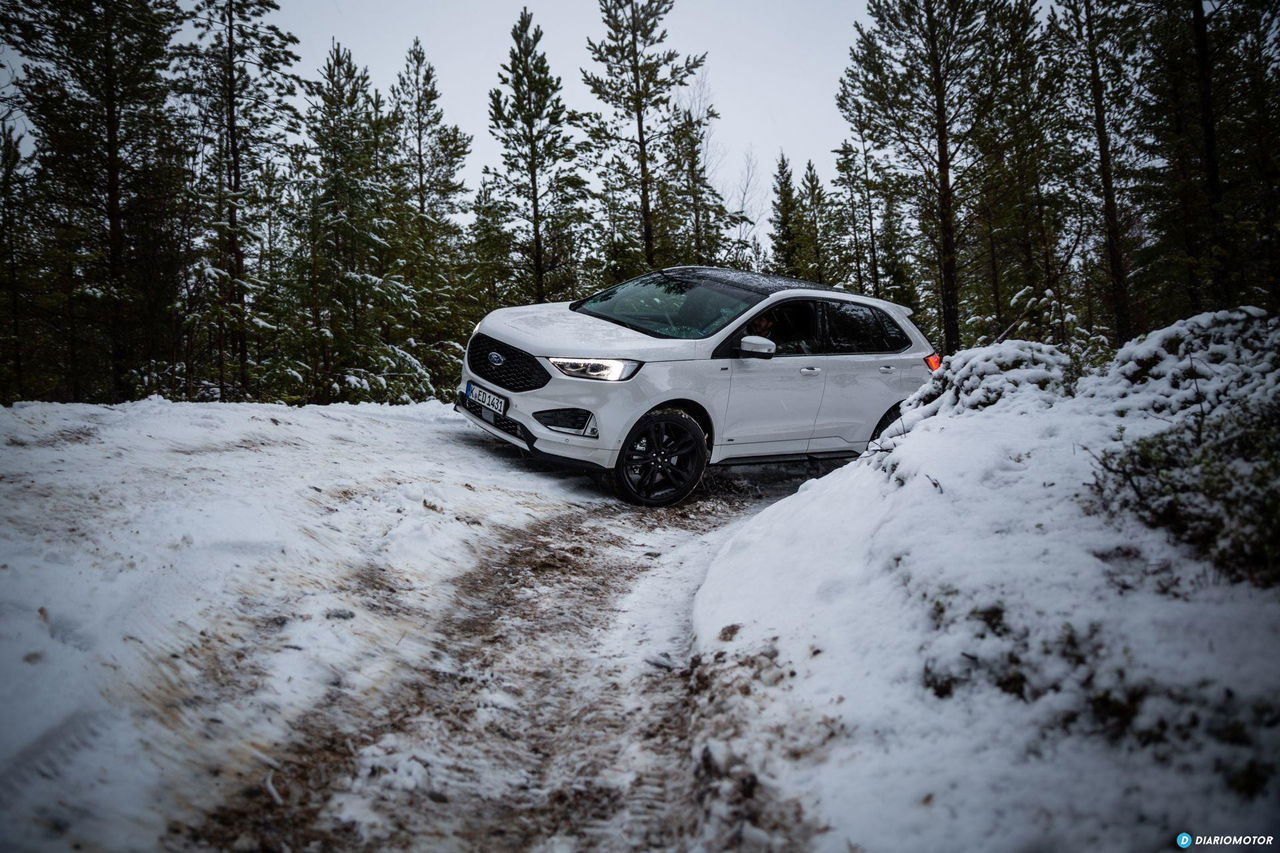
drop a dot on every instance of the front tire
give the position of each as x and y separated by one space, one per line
662 459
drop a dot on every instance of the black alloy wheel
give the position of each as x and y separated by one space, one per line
662 460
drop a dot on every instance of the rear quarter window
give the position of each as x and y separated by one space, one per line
894 337
854 328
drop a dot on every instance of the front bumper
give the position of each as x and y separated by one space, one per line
519 427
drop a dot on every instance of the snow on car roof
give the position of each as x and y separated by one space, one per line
766 283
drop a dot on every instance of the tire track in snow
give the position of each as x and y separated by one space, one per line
523 730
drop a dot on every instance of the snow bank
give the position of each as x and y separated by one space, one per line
972 380
179 581
1205 361
939 647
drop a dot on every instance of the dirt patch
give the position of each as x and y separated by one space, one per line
78 435
253 443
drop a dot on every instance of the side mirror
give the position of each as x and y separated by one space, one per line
755 346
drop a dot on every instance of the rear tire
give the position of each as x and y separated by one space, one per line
886 421
662 459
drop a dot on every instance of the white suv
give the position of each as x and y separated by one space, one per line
652 380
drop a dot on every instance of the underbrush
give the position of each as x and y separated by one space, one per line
1211 482
1211 479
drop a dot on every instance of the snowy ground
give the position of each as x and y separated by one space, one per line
940 646
179 583
250 626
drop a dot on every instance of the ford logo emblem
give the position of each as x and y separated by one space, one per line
496 359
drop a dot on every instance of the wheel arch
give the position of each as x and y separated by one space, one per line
693 409
886 420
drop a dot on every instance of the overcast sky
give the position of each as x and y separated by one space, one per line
772 65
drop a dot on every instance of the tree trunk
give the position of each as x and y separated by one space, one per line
855 231
72 332
950 284
642 150
1117 267
1217 282
695 196
236 252
1179 165
997 301
17 389
15 339
947 229
871 216
539 271
646 213
115 215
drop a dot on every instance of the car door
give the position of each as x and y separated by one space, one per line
862 376
773 402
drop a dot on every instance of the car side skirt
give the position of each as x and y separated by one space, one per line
787 457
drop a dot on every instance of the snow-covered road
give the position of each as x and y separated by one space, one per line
553 708
248 624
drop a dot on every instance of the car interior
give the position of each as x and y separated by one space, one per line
792 326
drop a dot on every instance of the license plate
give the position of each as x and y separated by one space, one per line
486 398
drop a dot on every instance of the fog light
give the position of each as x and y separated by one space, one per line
571 421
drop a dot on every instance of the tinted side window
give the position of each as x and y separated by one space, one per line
793 327
855 328
894 337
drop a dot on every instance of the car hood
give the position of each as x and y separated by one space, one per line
551 329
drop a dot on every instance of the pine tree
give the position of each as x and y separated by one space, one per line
848 237
490 252
429 238
696 221
785 240
857 211
1250 54
914 77
539 177
15 214
1207 187
433 149
1209 151
617 247
238 77
271 269
637 83
109 167
899 251
1094 41
1025 206
815 231
359 343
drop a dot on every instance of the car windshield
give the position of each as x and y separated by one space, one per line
664 306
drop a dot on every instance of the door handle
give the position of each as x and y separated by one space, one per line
886 369
810 371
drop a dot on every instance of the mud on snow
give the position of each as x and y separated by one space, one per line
558 707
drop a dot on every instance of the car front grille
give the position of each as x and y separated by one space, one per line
517 370
502 422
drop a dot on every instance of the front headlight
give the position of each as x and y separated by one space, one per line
608 369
